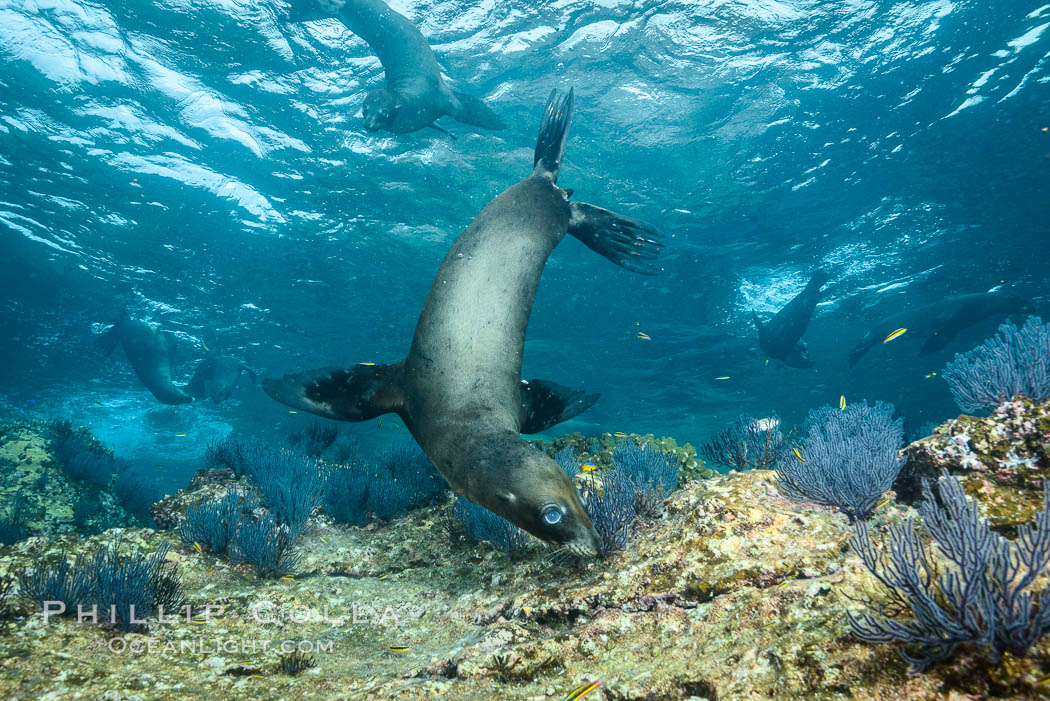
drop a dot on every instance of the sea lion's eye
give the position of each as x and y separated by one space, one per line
552 516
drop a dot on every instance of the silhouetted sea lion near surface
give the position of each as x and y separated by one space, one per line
216 376
150 353
781 338
415 94
939 322
459 389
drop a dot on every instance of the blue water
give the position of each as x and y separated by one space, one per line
203 164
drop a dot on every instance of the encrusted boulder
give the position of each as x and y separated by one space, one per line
1011 447
206 485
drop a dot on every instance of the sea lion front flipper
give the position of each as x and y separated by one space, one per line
107 340
629 243
470 110
169 340
446 132
545 404
356 393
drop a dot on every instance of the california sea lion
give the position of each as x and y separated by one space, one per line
459 389
150 353
781 338
938 323
415 94
216 376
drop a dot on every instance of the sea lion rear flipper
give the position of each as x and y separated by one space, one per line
356 393
251 374
470 110
545 404
629 243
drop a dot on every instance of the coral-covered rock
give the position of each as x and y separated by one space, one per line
1011 447
599 450
52 502
206 485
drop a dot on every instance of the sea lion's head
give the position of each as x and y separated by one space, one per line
540 498
378 110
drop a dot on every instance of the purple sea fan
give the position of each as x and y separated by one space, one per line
979 592
846 458
1011 363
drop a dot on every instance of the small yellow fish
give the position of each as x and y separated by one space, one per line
258 676
723 377
398 648
206 346
198 548
932 374
883 504
644 336
366 363
582 690
770 625
842 402
380 424
289 577
292 411
798 455
620 434
324 541
588 467
383 576
180 435
895 334
767 361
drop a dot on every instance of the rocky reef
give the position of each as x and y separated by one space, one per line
35 484
733 592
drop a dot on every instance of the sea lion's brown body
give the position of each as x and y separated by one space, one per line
459 390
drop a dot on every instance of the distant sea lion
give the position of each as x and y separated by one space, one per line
150 353
939 322
415 94
459 389
216 376
781 338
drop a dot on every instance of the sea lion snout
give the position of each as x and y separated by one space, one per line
548 506
378 109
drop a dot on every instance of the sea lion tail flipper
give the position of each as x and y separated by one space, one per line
545 404
754 317
629 243
554 132
471 110
357 393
